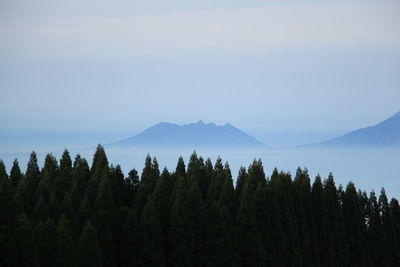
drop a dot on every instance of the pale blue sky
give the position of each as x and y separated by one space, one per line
122 65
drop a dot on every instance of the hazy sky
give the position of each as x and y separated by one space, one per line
125 65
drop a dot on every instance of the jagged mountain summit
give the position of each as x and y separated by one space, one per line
385 134
198 134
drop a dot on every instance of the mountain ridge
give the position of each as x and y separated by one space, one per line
385 133
199 134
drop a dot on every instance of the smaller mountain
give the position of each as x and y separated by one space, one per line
198 134
385 134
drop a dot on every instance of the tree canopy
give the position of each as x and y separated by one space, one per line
68 213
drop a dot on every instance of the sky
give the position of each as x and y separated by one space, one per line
262 65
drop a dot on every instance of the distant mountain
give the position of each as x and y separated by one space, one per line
386 133
198 134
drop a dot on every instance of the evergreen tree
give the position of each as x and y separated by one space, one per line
240 182
68 211
216 183
65 246
147 184
27 252
7 247
88 253
394 211
152 245
81 177
130 186
15 175
22 198
48 176
7 214
32 175
45 236
40 213
160 202
275 240
335 217
355 227
375 233
247 232
105 215
54 207
149 174
180 168
220 245
100 163
85 213
281 184
227 195
323 225
186 226
196 173
3 172
63 180
192 217
130 241
66 165
393 249
117 183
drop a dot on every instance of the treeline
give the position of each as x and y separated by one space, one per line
71 214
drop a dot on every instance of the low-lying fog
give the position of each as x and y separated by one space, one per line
369 169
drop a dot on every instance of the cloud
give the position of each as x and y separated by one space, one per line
262 28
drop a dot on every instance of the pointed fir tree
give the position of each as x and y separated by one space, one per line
160 202
227 197
240 182
281 184
375 234
15 175
3 172
32 175
180 168
394 212
355 227
393 248
247 232
323 225
130 187
63 180
100 163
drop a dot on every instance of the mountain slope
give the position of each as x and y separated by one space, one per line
386 133
193 134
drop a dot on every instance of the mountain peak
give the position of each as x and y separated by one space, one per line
385 133
194 135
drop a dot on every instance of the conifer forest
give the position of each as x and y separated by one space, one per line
68 213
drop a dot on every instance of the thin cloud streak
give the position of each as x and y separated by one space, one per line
262 28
